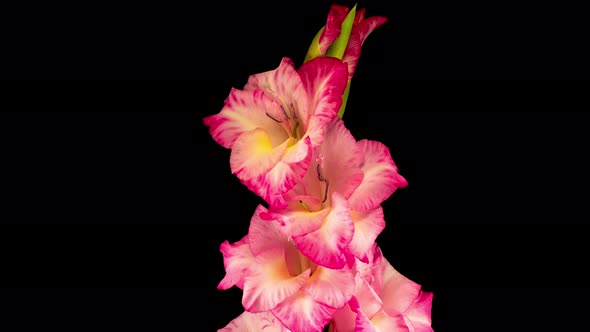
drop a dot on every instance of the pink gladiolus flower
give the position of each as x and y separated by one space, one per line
384 300
361 28
277 279
334 213
273 124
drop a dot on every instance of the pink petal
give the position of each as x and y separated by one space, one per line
381 177
385 323
366 297
367 226
418 317
283 85
344 320
341 158
367 25
299 222
264 235
269 282
360 30
326 245
253 154
237 258
244 111
272 185
301 313
399 293
248 322
324 79
333 288
333 27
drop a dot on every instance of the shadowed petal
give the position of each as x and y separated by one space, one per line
248 322
301 313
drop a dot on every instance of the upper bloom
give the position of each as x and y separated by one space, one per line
273 124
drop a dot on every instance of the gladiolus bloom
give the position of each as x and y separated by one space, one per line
273 124
334 213
275 277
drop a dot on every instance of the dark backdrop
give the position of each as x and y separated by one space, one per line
116 199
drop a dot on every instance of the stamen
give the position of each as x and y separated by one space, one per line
320 177
293 111
323 179
304 205
284 112
326 191
295 129
270 116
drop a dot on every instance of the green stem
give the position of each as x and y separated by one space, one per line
344 100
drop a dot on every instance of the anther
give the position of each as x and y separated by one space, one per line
284 112
270 116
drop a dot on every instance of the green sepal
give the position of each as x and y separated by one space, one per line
337 48
344 100
314 48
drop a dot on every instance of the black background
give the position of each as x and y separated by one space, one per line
116 199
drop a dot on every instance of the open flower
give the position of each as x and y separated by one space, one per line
277 279
384 300
334 213
273 124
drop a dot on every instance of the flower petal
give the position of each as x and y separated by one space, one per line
418 317
261 321
237 258
299 221
301 313
269 282
264 235
399 293
272 185
381 177
331 287
324 79
341 159
283 85
253 154
244 111
360 30
333 26
367 226
326 245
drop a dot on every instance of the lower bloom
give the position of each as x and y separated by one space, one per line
384 300
277 279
